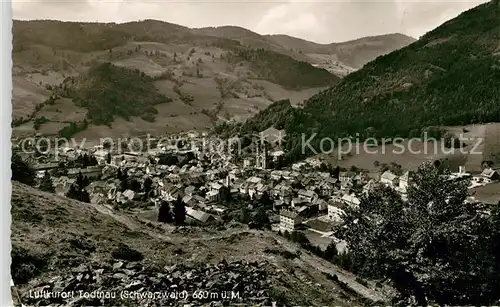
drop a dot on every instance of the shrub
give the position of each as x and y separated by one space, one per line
25 265
124 252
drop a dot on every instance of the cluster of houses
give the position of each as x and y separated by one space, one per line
336 195
209 177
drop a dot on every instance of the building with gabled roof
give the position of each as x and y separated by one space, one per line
405 180
351 200
198 216
289 220
389 179
336 210
307 194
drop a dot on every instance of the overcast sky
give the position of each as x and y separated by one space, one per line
322 21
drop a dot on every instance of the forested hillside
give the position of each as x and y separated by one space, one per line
282 69
107 91
451 76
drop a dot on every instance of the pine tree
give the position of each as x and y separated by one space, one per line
85 160
261 219
121 175
86 182
46 183
92 161
78 193
165 214
73 192
265 200
134 185
179 211
245 216
21 170
148 184
77 190
84 196
331 251
80 180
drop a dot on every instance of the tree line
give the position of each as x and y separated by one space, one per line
434 248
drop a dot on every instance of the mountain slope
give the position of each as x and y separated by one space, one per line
339 58
206 77
354 53
210 74
107 90
451 76
85 37
242 35
56 242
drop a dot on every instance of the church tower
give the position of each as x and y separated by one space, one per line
257 155
264 156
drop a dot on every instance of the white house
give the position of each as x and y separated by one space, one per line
404 181
307 194
213 195
193 134
313 162
101 155
248 162
281 191
336 210
351 200
289 220
389 179
490 175
298 166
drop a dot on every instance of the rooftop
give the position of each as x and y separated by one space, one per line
289 214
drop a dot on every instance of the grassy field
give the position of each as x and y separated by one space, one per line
482 143
489 193
63 110
172 117
317 239
492 143
25 96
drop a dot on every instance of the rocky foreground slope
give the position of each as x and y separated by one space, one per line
63 246
205 75
449 77
130 283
